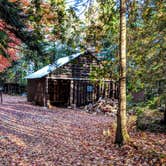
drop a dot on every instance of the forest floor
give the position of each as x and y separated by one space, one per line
32 135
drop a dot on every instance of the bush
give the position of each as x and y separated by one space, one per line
153 103
139 111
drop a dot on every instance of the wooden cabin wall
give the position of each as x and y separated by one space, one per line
72 77
82 96
108 89
36 91
77 68
79 92
85 92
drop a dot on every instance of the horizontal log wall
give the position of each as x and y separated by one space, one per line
77 68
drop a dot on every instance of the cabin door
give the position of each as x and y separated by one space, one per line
59 92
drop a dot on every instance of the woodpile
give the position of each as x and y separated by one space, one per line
107 106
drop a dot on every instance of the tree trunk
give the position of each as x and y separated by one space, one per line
122 136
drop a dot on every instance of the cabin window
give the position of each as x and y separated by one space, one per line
89 88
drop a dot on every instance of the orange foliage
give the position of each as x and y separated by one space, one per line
24 2
9 49
12 0
4 63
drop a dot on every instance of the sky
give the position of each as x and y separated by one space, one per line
80 6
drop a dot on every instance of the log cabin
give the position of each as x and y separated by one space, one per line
66 82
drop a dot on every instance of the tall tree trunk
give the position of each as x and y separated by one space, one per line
122 136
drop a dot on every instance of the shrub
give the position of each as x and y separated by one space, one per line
154 102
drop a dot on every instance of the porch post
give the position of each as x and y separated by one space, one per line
71 92
46 94
75 94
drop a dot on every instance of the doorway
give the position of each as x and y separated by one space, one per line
59 92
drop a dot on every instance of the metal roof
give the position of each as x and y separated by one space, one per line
50 68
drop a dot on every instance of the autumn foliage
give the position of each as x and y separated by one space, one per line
24 22
8 46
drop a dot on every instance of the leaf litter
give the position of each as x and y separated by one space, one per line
32 135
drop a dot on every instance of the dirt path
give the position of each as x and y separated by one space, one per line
31 135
